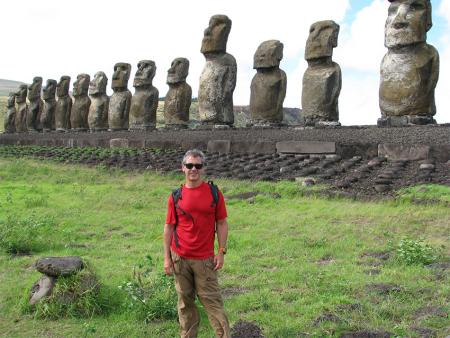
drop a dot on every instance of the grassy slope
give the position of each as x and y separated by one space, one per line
296 258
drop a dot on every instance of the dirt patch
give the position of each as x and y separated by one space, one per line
366 334
325 260
244 329
349 307
384 255
231 291
430 311
327 317
383 288
424 332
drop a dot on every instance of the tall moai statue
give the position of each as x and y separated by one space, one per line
10 116
81 103
98 111
22 109
63 105
179 97
144 102
119 102
48 112
268 88
218 79
322 80
35 107
410 68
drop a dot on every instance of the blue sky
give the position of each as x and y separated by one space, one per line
51 38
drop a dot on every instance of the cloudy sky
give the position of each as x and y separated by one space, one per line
51 38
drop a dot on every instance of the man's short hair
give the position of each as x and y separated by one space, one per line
194 153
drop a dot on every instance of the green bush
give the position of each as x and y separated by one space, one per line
23 236
412 251
150 294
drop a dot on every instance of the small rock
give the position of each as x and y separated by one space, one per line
42 288
59 266
383 181
427 166
381 187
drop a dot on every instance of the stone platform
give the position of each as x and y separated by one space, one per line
406 143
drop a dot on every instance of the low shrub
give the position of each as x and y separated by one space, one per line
416 252
150 294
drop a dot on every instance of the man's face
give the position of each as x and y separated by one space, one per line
407 23
194 174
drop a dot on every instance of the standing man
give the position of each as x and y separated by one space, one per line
195 212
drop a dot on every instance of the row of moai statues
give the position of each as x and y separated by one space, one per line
409 74
92 109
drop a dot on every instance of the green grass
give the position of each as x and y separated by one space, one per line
292 261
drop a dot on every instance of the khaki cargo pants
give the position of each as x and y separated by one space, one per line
197 278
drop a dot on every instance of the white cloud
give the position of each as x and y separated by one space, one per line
442 89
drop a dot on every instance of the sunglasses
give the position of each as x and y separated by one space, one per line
197 166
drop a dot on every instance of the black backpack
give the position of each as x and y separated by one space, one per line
176 196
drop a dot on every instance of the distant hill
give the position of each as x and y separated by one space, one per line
7 86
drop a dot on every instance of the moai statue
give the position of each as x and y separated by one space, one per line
119 102
322 80
268 88
144 102
98 111
48 112
35 107
63 105
10 115
81 103
22 109
410 68
179 97
218 79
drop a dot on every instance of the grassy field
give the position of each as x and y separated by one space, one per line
296 265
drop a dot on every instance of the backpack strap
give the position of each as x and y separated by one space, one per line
176 196
214 192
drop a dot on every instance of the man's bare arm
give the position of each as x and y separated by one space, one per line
168 234
222 236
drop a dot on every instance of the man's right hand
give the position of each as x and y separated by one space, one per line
168 266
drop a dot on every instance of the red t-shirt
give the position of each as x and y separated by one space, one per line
196 228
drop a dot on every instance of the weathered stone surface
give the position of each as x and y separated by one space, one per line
98 111
410 69
120 100
178 98
59 266
268 88
48 112
322 80
81 103
10 115
63 105
35 107
403 152
41 289
119 143
306 147
219 146
22 109
218 78
144 102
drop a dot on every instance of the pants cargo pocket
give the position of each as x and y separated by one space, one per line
176 263
210 273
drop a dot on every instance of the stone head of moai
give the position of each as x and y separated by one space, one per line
178 71
323 37
49 90
62 88
407 23
268 55
21 94
34 89
98 84
121 76
81 85
215 36
145 73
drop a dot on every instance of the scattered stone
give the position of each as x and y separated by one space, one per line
42 288
384 288
59 266
382 187
427 166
